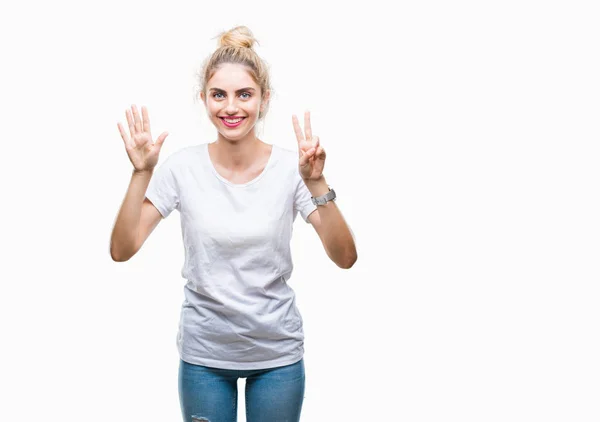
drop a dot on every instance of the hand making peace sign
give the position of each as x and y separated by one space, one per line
312 154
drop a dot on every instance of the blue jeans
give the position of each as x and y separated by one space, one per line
210 394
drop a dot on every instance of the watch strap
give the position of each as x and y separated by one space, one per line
323 199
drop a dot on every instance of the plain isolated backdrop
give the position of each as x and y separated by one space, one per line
462 139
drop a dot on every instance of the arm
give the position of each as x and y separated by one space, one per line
327 220
137 218
331 227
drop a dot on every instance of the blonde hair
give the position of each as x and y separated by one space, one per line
235 46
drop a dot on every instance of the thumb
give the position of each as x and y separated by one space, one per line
161 139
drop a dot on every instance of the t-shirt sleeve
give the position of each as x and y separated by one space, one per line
163 190
302 199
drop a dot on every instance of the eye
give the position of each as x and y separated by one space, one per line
214 95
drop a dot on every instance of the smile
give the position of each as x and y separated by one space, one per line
232 122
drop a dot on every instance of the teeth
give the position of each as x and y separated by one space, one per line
233 121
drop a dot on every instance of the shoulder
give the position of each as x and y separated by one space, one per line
187 151
288 166
182 155
287 157
286 153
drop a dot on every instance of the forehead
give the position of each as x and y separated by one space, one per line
231 76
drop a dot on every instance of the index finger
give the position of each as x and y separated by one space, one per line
297 129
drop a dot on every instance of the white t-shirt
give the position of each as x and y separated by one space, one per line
238 312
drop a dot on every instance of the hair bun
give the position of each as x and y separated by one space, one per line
240 36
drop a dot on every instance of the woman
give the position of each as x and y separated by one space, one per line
238 198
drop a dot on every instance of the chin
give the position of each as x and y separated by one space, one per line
233 136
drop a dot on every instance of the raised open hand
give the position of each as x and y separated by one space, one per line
312 154
142 152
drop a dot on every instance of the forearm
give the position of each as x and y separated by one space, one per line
336 234
125 231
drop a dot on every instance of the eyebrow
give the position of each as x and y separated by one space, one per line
239 90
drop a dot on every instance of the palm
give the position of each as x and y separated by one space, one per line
312 154
142 152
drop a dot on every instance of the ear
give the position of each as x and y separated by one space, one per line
265 101
202 97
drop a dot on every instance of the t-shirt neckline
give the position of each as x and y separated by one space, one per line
240 185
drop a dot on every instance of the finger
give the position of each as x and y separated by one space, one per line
297 129
307 129
145 119
304 160
317 142
137 120
129 117
124 134
161 139
320 153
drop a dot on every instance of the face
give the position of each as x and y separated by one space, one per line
231 95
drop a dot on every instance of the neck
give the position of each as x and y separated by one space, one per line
239 154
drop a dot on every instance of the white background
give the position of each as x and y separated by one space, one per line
462 140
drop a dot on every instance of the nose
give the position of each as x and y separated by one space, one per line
232 107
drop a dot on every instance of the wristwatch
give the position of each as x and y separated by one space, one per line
323 199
